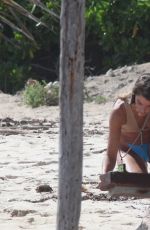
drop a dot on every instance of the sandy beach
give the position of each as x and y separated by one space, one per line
29 158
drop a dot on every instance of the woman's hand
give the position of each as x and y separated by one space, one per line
103 183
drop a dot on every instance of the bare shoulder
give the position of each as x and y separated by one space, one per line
118 114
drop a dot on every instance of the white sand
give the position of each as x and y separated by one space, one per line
31 158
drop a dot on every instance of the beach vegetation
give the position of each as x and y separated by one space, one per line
116 34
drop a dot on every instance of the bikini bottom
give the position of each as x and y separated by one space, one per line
142 150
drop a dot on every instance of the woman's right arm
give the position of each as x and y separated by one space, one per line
115 122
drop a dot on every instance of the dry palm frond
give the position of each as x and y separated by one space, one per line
13 26
19 22
19 26
43 7
23 11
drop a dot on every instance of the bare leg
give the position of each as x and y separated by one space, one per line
134 163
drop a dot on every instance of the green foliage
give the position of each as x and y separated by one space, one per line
99 99
38 94
29 58
34 95
11 77
117 33
14 65
121 29
126 33
94 14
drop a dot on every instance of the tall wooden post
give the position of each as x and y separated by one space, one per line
71 114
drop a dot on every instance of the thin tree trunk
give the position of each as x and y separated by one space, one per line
71 114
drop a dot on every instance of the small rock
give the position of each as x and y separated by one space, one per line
90 78
125 69
31 220
130 80
21 213
48 86
130 68
56 83
2 178
121 85
106 80
110 73
44 188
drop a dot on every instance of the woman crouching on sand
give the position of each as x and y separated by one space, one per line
129 130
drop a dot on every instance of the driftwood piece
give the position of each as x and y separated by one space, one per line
126 184
9 131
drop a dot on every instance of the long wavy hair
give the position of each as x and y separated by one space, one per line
141 87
